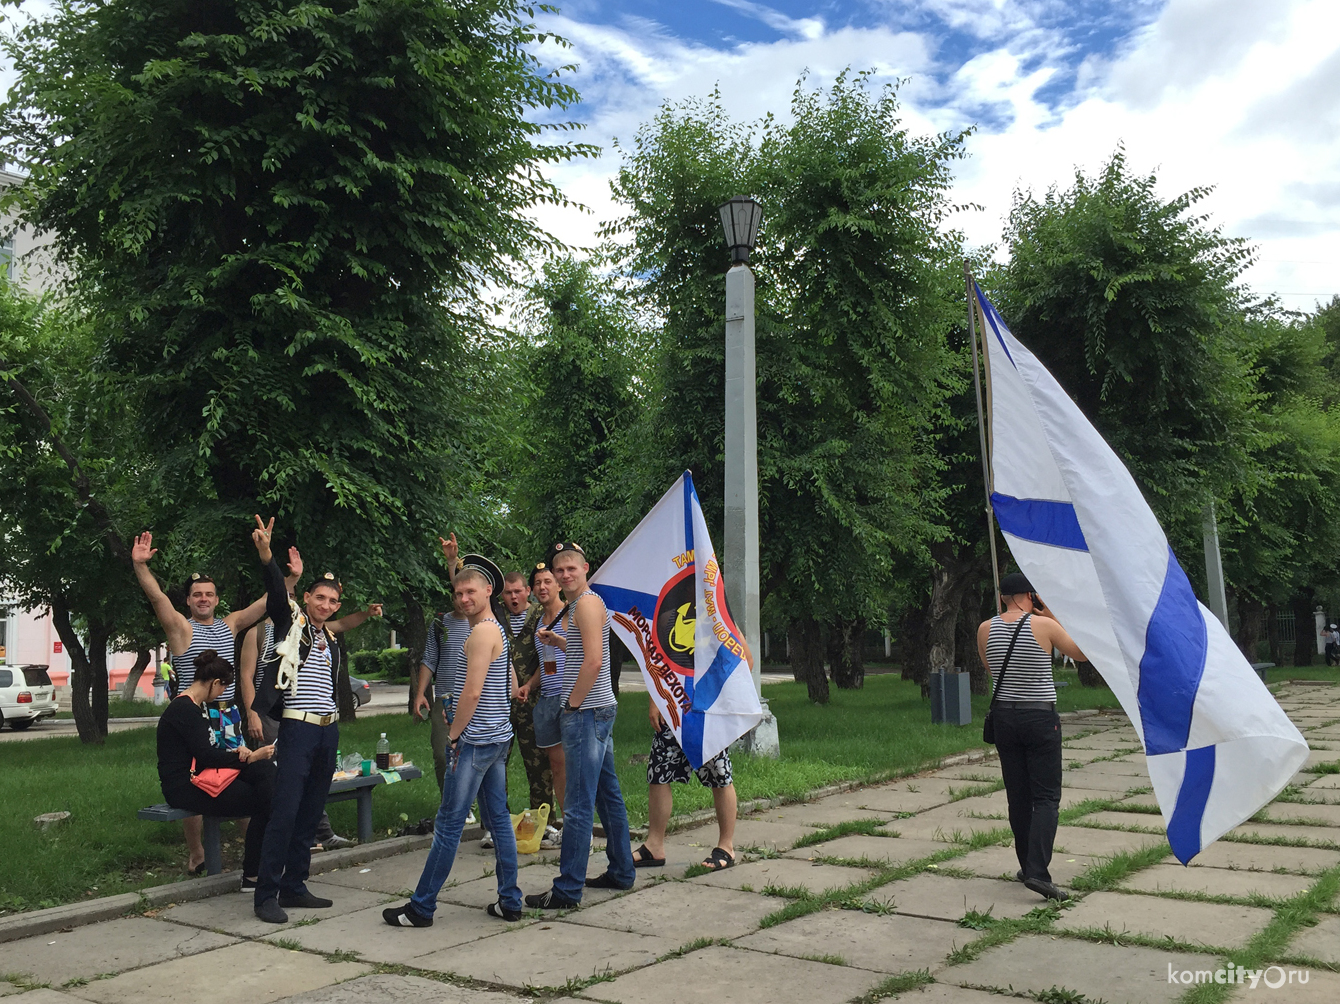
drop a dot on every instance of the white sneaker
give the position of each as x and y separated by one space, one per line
470 820
552 839
486 840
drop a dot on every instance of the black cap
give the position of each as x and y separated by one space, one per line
1015 583
482 564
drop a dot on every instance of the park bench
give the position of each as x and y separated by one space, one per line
358 788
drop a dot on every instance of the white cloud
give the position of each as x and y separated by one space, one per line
1235 94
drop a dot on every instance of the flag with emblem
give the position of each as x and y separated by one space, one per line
667 602
1218 745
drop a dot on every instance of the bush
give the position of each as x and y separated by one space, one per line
366 664
394 663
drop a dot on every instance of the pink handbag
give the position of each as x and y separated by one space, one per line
213 780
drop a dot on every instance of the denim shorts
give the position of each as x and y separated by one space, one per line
547 710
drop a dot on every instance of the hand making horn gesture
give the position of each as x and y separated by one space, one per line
450 549
261 538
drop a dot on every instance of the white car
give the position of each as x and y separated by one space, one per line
26 695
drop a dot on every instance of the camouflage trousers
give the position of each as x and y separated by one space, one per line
536 760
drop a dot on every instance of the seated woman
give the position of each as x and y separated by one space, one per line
184 735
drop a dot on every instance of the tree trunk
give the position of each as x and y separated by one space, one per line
912 645
1304 630
415 631
846 652
807 657
1251 614
344 691
1088 676
90 710
951 575
965 641
133 677
617 655
1273 634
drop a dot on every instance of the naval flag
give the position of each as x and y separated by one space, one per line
667 602
1218 745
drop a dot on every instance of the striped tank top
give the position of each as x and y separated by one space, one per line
551 662
1029 677
316 688
601 694
218 636
492 720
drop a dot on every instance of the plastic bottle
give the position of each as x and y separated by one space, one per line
339 761
526 828
383 753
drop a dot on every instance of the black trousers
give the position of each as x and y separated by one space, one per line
305 762
249 795
1029 744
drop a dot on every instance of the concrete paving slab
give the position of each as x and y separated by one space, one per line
1117 768
249 971
751 832
1147 800
1216 882
1214 925
384 988
548 954
784 873
1036 963
1073 796
7 988
1321 988
110 947
1324 780
479 893
893 800
1320 942
1266 857
235 913
1084 777
943 824
1001 862
1102 843
45 995
719 974
982 773
940 897
814 814
1314 836
680 911
1329 815
365 933
399 873
1142 821
885 850
1318 757
992 804
921 784
945 993
884 944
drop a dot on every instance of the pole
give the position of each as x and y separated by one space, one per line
981 429
1217 600
740 554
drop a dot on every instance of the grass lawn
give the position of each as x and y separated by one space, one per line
117 708
103 849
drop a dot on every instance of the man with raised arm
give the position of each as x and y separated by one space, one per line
586 723
478 741
297 687
187 637
441 652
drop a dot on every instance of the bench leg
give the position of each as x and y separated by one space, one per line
213 845
364 815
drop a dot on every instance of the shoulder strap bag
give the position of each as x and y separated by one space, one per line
989 726
213 780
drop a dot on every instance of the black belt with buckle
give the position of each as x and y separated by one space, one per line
1025 705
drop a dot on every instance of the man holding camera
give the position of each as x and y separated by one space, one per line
1016 647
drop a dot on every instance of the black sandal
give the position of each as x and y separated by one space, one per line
643 858
718 860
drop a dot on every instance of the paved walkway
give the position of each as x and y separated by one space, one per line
914 900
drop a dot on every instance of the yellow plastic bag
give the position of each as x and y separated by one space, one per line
529 829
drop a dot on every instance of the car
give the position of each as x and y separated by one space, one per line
361 690
26 696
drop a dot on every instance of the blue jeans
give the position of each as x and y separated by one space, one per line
588 748
304 764
482 770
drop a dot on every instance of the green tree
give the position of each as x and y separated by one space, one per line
855 298
281 215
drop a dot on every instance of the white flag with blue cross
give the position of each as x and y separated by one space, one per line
1218 745
667 602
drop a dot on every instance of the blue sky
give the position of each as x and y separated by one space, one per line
1236 94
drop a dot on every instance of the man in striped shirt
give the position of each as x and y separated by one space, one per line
479 740
187 637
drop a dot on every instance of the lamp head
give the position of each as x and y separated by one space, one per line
740 218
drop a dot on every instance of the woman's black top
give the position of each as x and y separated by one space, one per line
184 734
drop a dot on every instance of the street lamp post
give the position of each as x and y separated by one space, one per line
740 217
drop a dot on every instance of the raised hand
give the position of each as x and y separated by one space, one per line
294 560
450 549
261 537
141 549
374 609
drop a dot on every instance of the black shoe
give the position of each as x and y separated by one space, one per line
605 881
270 912
550 901
248 885
1019 875
1047 889
305 900
501 912
404 916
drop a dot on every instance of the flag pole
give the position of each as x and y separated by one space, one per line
981 430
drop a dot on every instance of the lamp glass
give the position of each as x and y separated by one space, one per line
740 219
